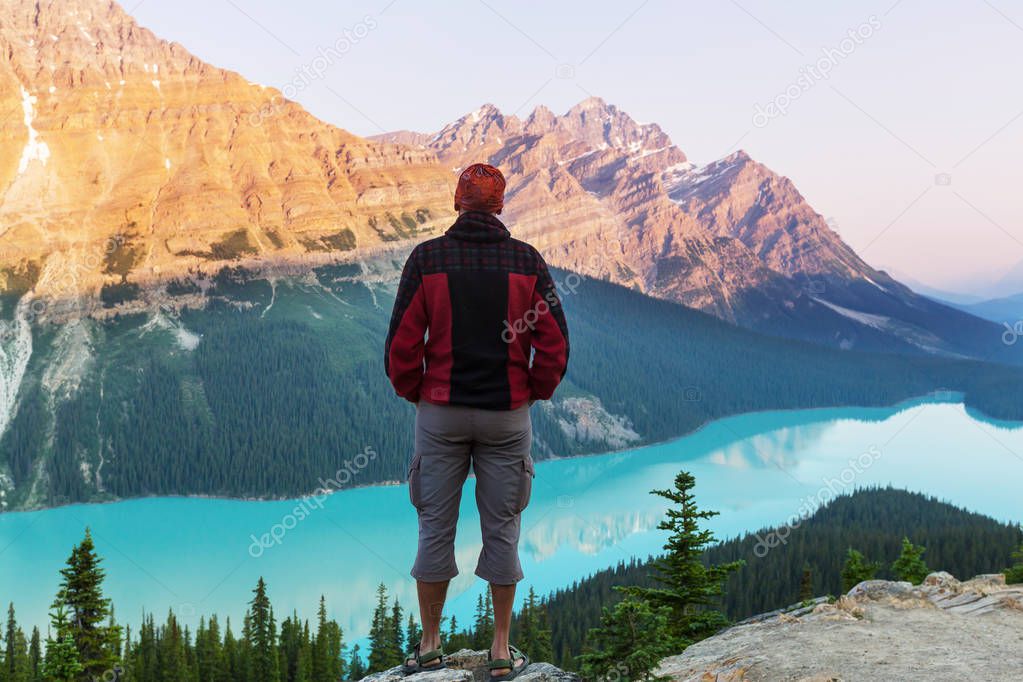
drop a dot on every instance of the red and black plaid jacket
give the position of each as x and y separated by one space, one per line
472 306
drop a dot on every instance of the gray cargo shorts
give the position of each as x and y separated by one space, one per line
496 443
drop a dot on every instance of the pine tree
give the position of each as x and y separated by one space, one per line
172 661
910 566
328 648
263 637
209 656
629 645
61 663
534 632
233 668
295 650
450 638
81 595
483 626
145 663
319 658
7 667
397 634
113 634
806 584
690 589
356 668
35 655
17 664
127 665
413 633
382 637
857 569
304 672
1014 574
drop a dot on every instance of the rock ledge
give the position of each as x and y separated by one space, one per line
943 629
471 666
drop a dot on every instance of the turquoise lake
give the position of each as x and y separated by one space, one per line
196 556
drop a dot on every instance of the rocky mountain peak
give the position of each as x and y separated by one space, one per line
477 133
607 196
541 121
84 42
134 162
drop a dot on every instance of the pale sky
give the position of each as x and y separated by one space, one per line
910 146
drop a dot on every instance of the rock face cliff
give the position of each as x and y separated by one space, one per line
609 197
942 630
124 158
591 190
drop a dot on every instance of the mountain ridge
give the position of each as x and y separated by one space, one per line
135 165
135 160
606 196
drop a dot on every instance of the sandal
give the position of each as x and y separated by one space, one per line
419 660
514 670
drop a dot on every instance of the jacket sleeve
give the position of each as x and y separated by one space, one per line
404 348
549 338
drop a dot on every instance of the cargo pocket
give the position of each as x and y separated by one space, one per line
415 484
525 483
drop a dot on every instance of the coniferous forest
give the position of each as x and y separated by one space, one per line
576 627
281 387
871 521
84 642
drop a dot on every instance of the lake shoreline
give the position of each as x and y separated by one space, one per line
937 397
203 555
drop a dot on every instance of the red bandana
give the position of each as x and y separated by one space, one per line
480 188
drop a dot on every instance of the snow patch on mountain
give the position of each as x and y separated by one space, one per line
905 331
185 338
876 321
35 149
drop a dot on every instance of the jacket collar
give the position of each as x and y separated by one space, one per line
476 226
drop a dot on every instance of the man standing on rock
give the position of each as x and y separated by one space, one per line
477 335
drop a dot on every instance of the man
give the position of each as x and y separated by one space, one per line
477 335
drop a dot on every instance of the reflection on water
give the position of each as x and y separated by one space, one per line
588 535
587 513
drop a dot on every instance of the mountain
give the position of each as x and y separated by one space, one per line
954 298
606 196
195 273
275 383
1011 282
126 160
128 163
1007 310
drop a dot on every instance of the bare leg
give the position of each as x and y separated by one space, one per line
504 600
431 606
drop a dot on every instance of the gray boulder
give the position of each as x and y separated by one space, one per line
471 666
